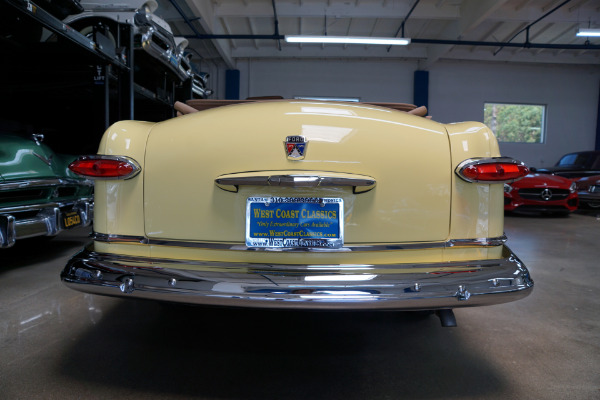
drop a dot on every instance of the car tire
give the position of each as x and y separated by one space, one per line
593 204
86 28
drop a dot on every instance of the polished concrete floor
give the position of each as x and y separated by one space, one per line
56 343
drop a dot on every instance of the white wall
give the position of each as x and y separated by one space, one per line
368 80
457 92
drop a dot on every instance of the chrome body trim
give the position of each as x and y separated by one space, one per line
149 28
295 181
107 238
351 287
487 160
231 182
47 221
240 246
33 183
169 57
486 242
47 161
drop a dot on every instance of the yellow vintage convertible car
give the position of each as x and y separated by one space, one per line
301 204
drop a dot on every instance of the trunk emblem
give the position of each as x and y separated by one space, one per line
295 147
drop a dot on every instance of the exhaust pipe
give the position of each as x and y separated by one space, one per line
447 318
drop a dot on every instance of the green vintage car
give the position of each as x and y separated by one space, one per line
39 196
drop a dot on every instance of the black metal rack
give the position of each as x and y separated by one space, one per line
71 87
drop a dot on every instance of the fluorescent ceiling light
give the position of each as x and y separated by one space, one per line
346 40
588 32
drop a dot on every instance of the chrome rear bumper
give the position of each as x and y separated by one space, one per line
39 220
151 37
352 287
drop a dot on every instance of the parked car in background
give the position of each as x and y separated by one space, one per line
576 165
39 196
199 79
541 193
301 204
589 191
151 33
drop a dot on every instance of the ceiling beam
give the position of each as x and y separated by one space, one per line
528 27
393 10
205 11
338 51
227 30
523 4
409 54
252 31
473 13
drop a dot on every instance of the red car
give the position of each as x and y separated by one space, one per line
541 193
588 189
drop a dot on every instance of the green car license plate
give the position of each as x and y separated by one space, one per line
71 219
294 222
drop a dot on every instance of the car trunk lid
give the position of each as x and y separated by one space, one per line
23 159
391 169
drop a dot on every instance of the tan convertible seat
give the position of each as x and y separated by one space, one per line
204 104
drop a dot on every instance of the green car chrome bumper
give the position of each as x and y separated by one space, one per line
46 219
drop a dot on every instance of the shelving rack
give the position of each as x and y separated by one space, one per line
71 87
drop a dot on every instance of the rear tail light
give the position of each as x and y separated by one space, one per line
492 170
105 167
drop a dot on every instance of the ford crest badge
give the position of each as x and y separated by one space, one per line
295 147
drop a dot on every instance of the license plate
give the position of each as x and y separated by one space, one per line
71 219
292 222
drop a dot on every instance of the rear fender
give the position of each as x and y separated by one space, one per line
477 208
119 204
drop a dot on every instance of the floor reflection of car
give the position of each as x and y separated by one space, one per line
541 193
576 165
588 189
39 196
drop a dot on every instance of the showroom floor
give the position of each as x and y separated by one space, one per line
56 343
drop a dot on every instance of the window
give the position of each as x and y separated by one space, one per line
571 159
584 159
515 123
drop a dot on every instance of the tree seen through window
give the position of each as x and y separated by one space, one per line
517 123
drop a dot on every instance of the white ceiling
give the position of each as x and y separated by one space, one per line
482 21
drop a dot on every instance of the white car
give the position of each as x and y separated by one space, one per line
151 33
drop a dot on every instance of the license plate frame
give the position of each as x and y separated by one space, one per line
71 219
295 222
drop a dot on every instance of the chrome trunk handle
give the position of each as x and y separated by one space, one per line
360 184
